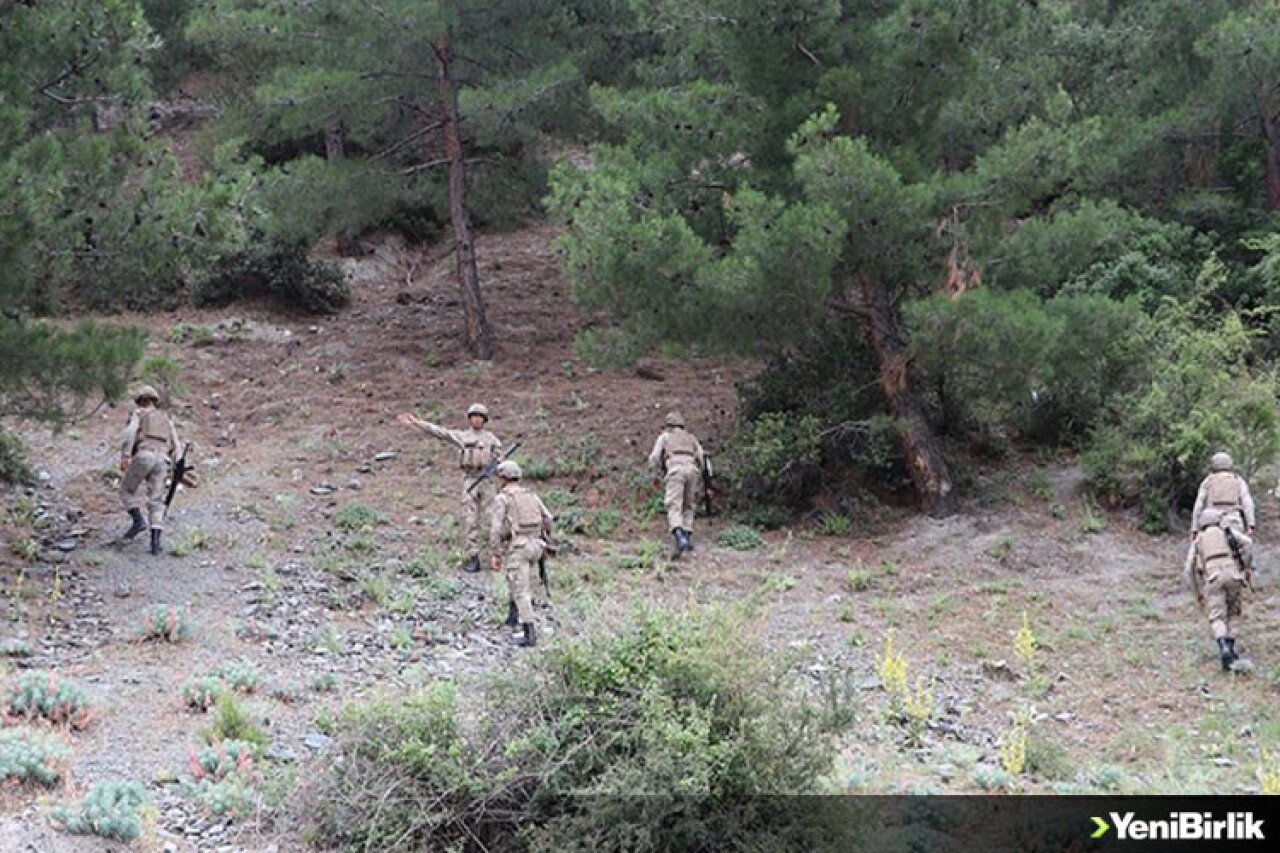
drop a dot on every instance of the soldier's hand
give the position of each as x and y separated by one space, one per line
496 562
124 464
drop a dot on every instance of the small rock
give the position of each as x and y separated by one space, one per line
998 670
44 476
67 545
946 772
318 741
385 456
323 489
354 485
1223 761
1064 717
170 847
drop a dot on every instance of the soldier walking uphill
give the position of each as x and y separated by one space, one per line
1228 493
521 528
476 448
677 457
1217 574
149 447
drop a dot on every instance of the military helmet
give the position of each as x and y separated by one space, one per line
1210 517
509 470
675 419
146 392
1220 462
478 409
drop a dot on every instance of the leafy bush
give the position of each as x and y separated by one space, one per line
240 676
602 522
165 622
14 467
356 517
200 694
231 796
110 810
221 759
740 538
45 695
232 723
662 725
281 271
777 458
27 756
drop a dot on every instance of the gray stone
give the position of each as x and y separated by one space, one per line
318 741
385 456
66 544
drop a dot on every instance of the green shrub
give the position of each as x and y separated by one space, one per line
110 810
662 724
283 272
357 517
776 457
740 538
834 524
200 694
165 622
602 522
232 723
46 695
14 467
240 676
221 759
27 756
231 796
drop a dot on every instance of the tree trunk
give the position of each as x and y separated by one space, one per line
335 148
478 340
1271 135
925 464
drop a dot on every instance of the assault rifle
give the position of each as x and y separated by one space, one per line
182 473
487 471
1234 544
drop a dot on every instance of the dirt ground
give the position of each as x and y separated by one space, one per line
293 420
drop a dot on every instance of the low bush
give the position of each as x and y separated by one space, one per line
14 467
27 756
110 810
46 695
165 622
281 271
638 740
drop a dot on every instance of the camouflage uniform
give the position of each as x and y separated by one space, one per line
1227 492
677 457
1218 578
521 526
147 449
476 448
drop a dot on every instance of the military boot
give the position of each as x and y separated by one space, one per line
1231 647
688 541
473 564
1227 652
513 615
677 548
155 541
530 638
139 525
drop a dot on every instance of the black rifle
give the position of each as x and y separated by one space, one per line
708 484
180 471
487 471
1234 544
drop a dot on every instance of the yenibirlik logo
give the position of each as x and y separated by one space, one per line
1183 826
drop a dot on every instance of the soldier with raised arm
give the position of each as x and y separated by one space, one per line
147 451
476 448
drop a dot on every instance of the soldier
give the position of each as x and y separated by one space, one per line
1217 574
148 449
521 527
476 448
1227 492
677 457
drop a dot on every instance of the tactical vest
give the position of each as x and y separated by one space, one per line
477 449
1215 553
1222 491
525 513
153 432
681 447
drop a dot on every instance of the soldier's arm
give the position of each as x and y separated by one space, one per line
1189 572
699 457
175 446
128 438
451 436
655 455
1246 501
547 518
496 526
